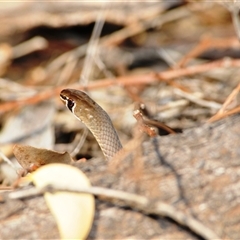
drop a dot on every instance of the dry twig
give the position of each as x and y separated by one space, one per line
134 201
195 99
149 78
223 111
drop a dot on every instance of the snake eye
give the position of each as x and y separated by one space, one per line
63 97
70 104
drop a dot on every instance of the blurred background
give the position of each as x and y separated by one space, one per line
176 61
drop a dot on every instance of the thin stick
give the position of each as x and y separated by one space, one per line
131 80
93 45
205 44
229 99
33 44
197 100
222 112
135 201
80 143
7 160
225 114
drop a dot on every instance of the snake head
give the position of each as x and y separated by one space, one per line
95 118
80 104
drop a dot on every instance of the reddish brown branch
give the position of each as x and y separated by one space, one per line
208 43
149 78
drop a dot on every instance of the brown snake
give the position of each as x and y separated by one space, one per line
95 118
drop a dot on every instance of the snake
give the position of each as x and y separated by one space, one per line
95 118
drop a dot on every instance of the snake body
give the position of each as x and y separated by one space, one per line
95 118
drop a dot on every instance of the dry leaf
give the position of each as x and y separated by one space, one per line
31 158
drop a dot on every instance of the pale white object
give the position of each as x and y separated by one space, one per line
74 212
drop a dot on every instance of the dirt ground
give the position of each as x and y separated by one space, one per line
176 64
